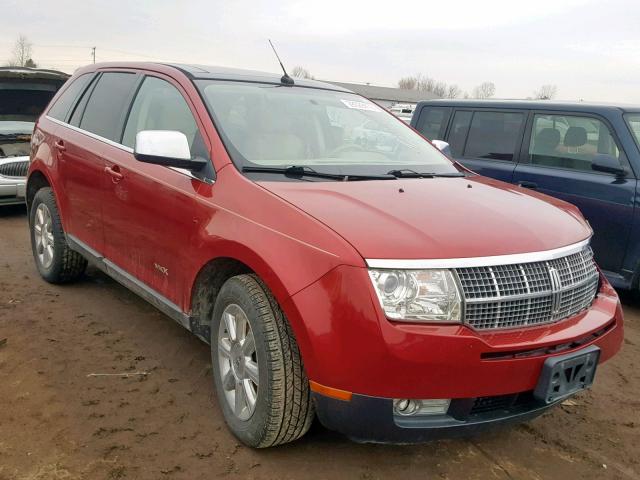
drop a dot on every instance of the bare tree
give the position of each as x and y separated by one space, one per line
301 72
453 91
408 83
484 90
21 53
545 92
428 84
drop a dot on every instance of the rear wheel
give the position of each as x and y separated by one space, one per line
56 262
260 381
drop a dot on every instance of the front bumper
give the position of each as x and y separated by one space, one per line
347 344
12 190
371 419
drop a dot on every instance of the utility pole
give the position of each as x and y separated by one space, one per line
93 54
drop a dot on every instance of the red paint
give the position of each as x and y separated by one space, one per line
307 242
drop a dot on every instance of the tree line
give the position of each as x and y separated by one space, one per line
423 83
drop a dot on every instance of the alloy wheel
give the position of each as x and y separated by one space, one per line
238 362
43 235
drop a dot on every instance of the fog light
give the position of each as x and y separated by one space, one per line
406 407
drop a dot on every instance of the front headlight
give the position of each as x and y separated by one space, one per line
418 295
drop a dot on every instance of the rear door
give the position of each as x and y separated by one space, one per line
79 173
558 155
487 141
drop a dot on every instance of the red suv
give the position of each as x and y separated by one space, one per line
377 285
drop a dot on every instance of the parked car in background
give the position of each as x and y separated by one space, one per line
586 154
403 111
24 93
390 292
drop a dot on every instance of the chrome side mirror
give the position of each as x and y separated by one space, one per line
443 146
165 147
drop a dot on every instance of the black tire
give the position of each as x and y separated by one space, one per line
283 409
67 265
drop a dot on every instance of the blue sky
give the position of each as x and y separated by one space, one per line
590 49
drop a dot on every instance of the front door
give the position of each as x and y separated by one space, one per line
561 151
149 209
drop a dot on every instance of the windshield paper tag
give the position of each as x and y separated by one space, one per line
361 105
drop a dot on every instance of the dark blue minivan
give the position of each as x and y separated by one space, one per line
586 154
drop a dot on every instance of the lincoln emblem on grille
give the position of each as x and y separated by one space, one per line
555 289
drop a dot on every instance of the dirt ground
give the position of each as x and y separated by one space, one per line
56 422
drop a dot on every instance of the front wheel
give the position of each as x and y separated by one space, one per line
260 381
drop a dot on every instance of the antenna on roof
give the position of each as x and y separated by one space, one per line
286 79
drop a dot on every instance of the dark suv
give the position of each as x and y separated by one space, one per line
586 154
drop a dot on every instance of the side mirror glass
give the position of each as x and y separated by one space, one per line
165 147
442 146
607 164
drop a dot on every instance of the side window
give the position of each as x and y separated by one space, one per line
159 106
60 109
571 142
106 105
433 121
494 135
458 132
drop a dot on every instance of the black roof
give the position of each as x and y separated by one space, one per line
536 104
225 73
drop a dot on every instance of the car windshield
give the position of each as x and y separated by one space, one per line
15 138
264 125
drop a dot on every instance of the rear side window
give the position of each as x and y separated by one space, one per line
458 132
494 135
432 122
62 106
106 106
159 106
571 142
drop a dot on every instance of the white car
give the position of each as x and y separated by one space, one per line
24 93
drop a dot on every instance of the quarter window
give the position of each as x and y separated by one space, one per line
62 106
159 106
571 142
494 135
106 106
432 122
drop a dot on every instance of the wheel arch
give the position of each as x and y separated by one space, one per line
234 259
36 181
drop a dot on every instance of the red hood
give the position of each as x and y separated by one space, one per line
437 218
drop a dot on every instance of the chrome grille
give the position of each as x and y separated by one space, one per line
517 295
14 169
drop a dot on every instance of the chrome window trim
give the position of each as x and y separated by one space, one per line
181 171
417 264
90 134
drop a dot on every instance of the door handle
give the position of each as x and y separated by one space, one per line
60 146
525 184
115 173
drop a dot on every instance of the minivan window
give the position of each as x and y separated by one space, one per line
60 109
458 132
107 103
494 135
432 122
331 131
159 106
571 142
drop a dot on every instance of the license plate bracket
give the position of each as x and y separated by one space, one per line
567 374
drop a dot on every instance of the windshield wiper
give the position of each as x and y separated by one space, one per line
408 173
296 171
